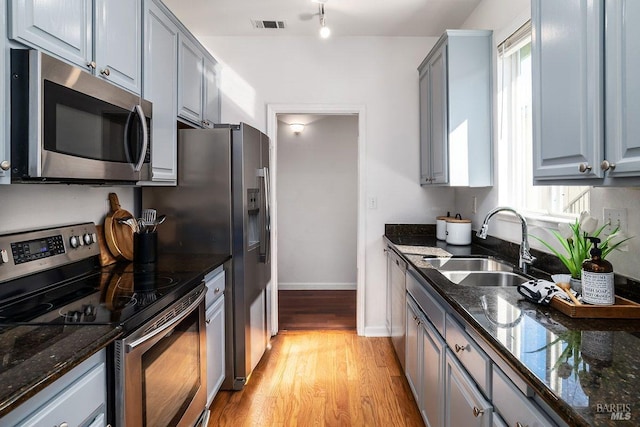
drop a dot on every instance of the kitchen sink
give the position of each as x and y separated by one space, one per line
467 264
485 278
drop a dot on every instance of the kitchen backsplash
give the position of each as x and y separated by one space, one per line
28 206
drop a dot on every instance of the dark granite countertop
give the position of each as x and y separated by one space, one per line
35 356
584 369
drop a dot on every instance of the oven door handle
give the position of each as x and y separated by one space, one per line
166 326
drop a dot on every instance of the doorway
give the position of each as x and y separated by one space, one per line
317 220
308 223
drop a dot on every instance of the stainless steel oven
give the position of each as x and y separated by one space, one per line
160 368
69 125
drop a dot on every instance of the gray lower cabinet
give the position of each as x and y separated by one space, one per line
516 408
102 36
215 329
585 62
79 398
455 86
161 88
464 403
5 145
397 276
413 348
431 401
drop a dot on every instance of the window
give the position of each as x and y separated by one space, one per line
515 175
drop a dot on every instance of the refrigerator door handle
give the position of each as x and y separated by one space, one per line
265 252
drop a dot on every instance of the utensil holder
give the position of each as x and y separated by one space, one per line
145 247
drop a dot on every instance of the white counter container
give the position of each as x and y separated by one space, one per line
458 231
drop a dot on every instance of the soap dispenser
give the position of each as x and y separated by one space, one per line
597 278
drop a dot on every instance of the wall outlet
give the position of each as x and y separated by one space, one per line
615 218
474 205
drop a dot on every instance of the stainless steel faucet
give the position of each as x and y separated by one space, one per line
525 256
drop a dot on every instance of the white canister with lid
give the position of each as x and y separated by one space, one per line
441 227
458 231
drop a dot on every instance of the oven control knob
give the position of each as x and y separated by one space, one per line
74 241
88 239
4 256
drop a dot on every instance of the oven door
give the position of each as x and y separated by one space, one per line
160 374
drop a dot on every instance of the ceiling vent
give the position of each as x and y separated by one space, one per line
260 24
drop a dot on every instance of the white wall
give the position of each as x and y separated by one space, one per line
504 17
317 204
377 72
29 206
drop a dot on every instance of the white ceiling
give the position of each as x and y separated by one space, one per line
344 17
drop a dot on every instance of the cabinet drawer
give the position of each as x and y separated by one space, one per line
468 353
433 310
215 283
513 406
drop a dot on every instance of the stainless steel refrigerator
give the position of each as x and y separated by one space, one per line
221 205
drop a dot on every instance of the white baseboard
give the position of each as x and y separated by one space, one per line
376 331
316 286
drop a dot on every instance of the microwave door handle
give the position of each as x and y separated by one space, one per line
126 137
145 137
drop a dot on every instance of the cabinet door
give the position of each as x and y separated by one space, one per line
389 307
211 114
190 81
425 127
438 104
62 27
161 88
215 348
567 72
464 404
412 349
398 309
118 38
5 141
622 87
431 403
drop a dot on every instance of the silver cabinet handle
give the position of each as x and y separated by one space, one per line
208 321
519 424
606 165
459 348
91 64
216 290
105 72
584 167
477 411
5 165
64 424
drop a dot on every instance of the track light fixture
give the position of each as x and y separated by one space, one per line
325 31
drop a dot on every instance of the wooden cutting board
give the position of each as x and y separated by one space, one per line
119 237
106 258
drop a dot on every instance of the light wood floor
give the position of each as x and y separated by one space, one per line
321 378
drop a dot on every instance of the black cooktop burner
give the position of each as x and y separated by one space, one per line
113 296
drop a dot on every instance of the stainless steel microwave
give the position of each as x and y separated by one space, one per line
68 125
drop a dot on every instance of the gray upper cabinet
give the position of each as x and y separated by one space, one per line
102 36
456 109
567 61
5 146
190 81
198 96
211 105
161 88
585 113
118 38
63 27
622 150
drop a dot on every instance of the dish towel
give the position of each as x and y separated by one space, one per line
541 291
